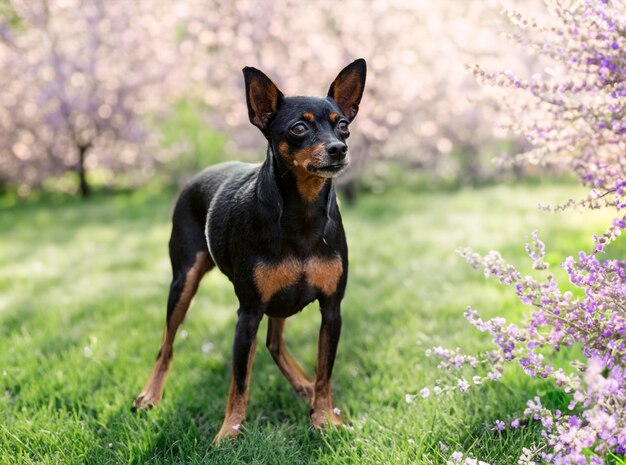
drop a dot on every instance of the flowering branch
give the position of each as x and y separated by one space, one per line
578 117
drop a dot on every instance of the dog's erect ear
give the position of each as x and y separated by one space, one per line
347 88
262 96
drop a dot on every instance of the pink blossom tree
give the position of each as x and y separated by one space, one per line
77 78
82 75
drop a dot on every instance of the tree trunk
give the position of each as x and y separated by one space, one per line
84 188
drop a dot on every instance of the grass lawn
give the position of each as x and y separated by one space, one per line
82 305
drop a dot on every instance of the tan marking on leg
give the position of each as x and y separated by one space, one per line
202 264
237 402
152 392
322 403
270 279
324 274
288 366
309 117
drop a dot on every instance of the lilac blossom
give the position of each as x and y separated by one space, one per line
576 116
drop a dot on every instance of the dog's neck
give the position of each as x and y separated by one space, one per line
278 191
286 182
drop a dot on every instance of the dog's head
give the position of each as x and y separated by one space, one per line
307 133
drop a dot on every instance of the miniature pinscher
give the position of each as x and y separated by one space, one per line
275 231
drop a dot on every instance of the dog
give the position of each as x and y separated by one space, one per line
274 229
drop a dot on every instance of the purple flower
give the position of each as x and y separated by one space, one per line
457 457
463 385
578 117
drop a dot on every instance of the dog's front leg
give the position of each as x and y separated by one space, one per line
322 404
243 356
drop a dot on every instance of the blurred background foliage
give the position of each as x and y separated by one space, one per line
116 94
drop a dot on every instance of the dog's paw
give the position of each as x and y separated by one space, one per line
145 401
227 431
321 418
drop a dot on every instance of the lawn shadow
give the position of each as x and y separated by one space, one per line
182 428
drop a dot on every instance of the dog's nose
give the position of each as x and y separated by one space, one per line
337 150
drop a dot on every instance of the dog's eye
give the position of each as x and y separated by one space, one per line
342 125
298 129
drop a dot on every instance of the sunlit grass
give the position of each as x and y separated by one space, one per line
82 292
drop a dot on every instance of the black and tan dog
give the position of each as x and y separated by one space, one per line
275 231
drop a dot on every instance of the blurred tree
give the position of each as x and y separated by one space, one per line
77 76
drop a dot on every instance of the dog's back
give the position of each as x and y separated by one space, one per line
218 184
199 192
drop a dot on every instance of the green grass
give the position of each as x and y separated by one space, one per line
82 297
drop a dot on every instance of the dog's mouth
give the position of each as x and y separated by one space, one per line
328 171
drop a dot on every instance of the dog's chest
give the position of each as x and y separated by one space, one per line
298 279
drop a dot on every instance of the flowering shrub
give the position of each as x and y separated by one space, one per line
596 320
577 116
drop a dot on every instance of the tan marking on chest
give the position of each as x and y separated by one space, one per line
270 279
324 273
321 273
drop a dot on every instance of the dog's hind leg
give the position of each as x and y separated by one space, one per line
190 261
289 367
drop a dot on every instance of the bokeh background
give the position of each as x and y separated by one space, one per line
116 94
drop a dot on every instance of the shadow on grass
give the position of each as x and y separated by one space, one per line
181 429
278 428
